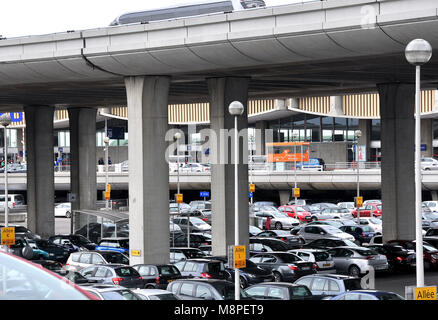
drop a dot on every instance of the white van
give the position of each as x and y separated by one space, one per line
15 201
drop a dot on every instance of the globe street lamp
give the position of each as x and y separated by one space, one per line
357 135
417 53
5 120
236 109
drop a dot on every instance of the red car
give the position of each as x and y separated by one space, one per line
296 212
369 210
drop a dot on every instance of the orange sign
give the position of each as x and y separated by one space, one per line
287 156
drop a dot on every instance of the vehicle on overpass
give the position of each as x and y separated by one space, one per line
429 164
186 10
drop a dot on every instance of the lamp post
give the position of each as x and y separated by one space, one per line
357 135
295 136
177 136
417 53
236 109
5 120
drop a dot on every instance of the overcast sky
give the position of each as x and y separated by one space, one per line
30 17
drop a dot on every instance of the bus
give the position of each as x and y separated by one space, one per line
186 10
288 151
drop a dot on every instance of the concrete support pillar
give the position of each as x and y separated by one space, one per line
261 127
83 182
222 92
397 176
148 169
365 139
40 170
284 196
427 137
336 106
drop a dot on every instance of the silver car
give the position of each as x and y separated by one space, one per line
356 261
334 213
313 232
279 220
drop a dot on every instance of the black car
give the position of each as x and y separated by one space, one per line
184 253
75 241
157 276
56 252
292 241
284 265
260 245
196 240
205 289
114 274
251 274
328 243
203 268
281 291
399 259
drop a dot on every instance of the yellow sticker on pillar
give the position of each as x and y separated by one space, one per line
179 198
8 236
239 257
297 192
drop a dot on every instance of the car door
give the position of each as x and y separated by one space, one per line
267 261
319 286
100 275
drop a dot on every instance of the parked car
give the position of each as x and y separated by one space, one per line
204 289
15 201
200 205
280 291
279 220
157 276
317 164
296 212
328 243
35 282
114 274
202 268
432 205
321 258
261 245
330 284
429 219
63 210
74 276
374 223
155 294
361 234
284 265
429 163
203 214
369 210
313 232
56 252
333 213
399 259
192 167
316 208
291 240
250 275
75 241
184 253
367 295
23 232
195 225
356 261
82 259
196 239
120 244
183 207
110 292
346 205
253 231
430 253
34 252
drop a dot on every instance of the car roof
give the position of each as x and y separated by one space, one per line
115 238
151 291
332 276
204 280
102 287
278 284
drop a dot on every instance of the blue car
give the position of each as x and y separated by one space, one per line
360 233
367 295
114 244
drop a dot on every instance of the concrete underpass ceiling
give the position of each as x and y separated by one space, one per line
349 75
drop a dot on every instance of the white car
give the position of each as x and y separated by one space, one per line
429 164
279 220
63 210
313 232
374 223
432 205
347 205
155 294
192 167
322 259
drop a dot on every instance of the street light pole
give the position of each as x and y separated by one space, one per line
236 109
417 53
295 135
357 135
5 120
177 136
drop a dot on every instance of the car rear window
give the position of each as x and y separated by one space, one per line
168 270
364 252
215 267
367 229
301 291
115 257
289 257
126 272
352 284
321 256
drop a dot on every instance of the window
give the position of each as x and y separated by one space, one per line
256 291
304 281
101 271
319 284
126 272
169 270
203 292
268 259
276 293
367 297
333 286
97 259
143 270
189 267
187 289
88 272
173 287
85 258
75 257
301 291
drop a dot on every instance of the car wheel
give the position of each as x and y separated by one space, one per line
354 271
314 218
278 226
243 283
277 276
68 214
149 286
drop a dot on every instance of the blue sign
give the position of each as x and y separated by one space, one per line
250 194
204 194
16 116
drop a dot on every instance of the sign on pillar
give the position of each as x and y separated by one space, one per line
358 201
179 198
8 236
425 293
252 187
296 192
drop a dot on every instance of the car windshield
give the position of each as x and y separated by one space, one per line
379 206
119 295
226 290
389 296
367 229
168 270
352 284
126 272
299 209
78 239
288 257
430 215
115 257
321 256
163 296
197 221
